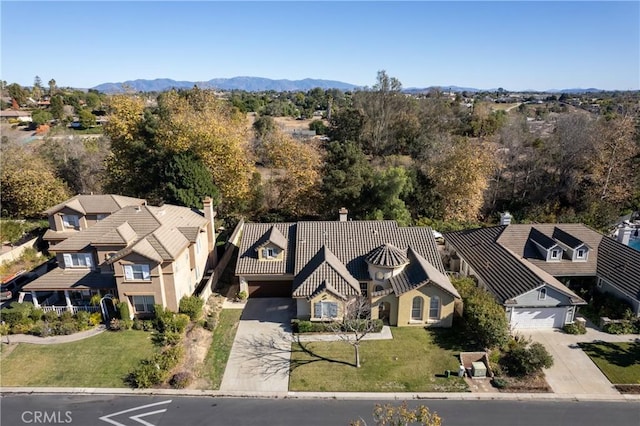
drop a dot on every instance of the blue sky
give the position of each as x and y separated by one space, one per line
515 45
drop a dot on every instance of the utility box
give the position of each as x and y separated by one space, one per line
478 369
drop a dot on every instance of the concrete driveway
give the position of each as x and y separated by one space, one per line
259 358
573 372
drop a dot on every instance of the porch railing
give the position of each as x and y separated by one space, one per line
73 309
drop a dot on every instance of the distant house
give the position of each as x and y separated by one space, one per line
529 268
116 246
23 116
325 264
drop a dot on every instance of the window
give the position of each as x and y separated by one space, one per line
70 221
325 310
416 309
77 260
269 253
137 272
379 288
543 294
581 253
434 308
100 216
379 275
555 254
197 245
142 304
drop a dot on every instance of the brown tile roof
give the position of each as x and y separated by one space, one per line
419 272
387 255
253 235
273 236
325 269
51 235
620 266
93 204
71 279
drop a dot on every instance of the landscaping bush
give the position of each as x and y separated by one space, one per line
622 327
66 327
23 326
499 383
137 324
42 329
145 375
575 328
191 306
169 338
82 319
95 318
126 324
242 295
180 380
36 314
66 316
523 358
300 326
4 329
148 325
170 321
51 316
123 310
607 305
16 313
170 357
115 325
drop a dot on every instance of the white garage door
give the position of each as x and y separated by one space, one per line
538 318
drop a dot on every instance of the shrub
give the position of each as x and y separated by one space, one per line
115 325
191 306
170 357
123 311
36 314
499 383
145 375
22 327
4 329
126 324
42 329
575 328
95 318
66 316
16 313
242 295
620 327
66 327
83 317
137 324
607 305
51 316
147 325
180 380
523 358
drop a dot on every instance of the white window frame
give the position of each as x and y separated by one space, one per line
542 294
416 311
555 254
75 223
78 260
147 307
325 309
269 253
140 269
581 253
435 299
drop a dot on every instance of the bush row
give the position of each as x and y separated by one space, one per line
300 326
24 318
575 328
627 326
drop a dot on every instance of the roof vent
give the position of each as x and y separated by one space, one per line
505 218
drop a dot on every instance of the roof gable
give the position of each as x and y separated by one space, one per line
273 236
325 267
387 256
566 239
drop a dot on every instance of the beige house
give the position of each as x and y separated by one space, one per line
120 247
325 264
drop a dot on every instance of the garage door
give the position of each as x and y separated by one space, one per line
270 288
538 318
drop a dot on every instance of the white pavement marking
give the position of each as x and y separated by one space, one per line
137 417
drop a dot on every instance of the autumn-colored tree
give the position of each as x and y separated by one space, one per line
401 415
29 184
296 173
462 177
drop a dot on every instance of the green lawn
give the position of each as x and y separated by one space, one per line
99 361
620 362
414 361
223 335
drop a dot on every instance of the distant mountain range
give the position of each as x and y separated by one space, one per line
249 84
259 84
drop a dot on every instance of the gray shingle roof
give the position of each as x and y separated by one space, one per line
325 269
419 272
93 204
71 279
565 238
502 270
387 255
620 266
540 238
253 235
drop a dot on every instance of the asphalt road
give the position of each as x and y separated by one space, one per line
194 411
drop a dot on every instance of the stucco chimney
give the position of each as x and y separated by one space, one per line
210 215
505 218
343 214
624 234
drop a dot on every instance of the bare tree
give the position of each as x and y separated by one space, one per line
356 323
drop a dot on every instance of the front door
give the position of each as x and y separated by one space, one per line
384 311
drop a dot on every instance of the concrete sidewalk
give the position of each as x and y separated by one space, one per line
384 334
53 340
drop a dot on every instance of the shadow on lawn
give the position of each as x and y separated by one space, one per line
453 339
272 356
613 353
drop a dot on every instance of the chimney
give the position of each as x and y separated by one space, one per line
624 234
505 218
343 214
210 215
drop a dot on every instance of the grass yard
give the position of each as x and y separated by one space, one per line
620 362
414 361
223 335
99 361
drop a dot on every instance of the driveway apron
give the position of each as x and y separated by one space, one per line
573 372
259 358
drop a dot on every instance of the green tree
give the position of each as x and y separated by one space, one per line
384 198
346 125
87 119
188 181
52 87
17 93
41 117
319 127
57 107
36 92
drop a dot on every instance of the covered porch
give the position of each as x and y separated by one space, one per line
65 290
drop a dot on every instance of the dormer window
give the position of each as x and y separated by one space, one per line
70 221
555 254
101 216
269 253
581 254
543 294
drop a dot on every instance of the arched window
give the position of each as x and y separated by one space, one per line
543 294
416 308
378 288
434 308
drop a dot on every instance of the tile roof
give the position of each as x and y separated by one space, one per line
93 204
419 272
253 236
274 236
387 255
620 266
71 279
503 271
325 269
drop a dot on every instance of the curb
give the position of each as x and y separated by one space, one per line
327 395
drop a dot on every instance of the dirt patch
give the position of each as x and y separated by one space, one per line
530 384
479 385
631 389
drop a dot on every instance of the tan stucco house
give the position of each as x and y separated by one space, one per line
324 264
121 247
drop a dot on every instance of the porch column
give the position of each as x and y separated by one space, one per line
244 286
35 299
68 300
